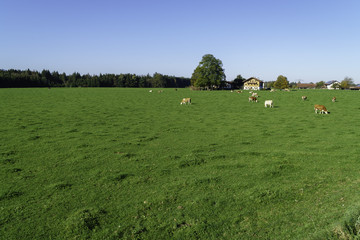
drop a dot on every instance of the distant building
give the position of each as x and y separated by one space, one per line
253 84
228 85
330 84
306 86
357 87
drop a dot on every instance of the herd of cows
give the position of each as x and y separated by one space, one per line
269 103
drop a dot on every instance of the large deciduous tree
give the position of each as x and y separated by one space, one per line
281 82
347 83
320 84
209 73
238 82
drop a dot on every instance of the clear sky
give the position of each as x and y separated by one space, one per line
305 40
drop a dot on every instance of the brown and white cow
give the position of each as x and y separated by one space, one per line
321 108
252 99
303 98
185 101
333 99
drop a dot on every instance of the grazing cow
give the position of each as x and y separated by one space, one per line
252 99
185 101
239 91
321 108
304 98
150 90
333 99
269 103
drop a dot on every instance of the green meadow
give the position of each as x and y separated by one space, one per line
119 163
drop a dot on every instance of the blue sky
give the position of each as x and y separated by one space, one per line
307 41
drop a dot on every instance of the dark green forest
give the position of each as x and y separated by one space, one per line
26 78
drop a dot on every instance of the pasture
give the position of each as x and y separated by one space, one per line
111 163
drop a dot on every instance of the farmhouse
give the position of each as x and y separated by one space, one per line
306 86
330 84
253 84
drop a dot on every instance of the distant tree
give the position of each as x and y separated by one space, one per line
293 85
63 79
28 78
158 81
269 84
347 83
238 82
46 77
208 73
320 84
281 82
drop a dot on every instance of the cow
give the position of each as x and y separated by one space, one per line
321 108
252 99
272 90
185 101
269 103
150 90
333 99
239 91
304 98
254 95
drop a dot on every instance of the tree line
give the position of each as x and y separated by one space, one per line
27 78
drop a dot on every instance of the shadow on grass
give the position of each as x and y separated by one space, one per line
10 195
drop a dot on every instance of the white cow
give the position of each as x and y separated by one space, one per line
269 103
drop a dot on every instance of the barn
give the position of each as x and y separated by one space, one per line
306 86
253 84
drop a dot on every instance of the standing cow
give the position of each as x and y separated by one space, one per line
253 99
269 103
186 101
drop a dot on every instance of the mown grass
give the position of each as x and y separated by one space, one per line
125 163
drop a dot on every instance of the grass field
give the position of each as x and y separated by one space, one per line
125 163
